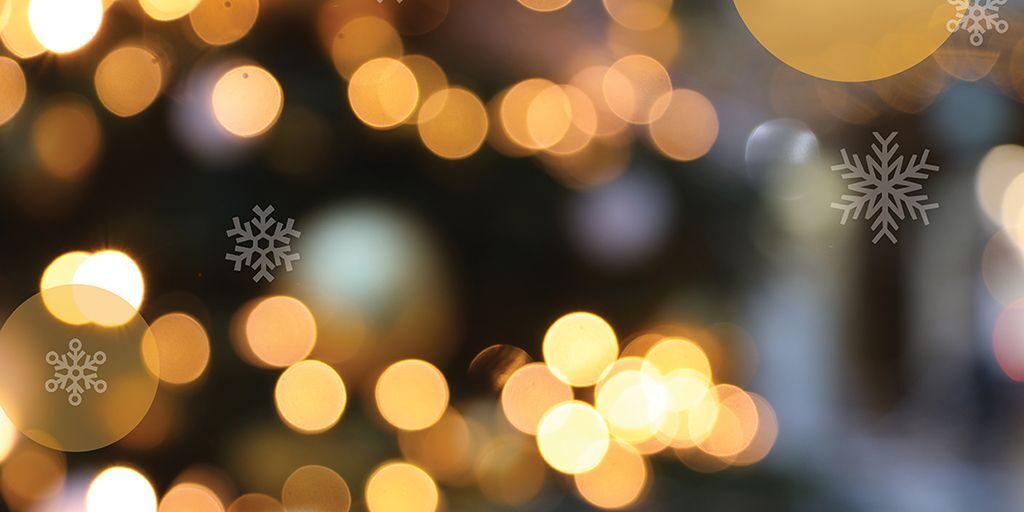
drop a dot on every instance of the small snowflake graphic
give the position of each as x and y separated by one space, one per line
75 372
978 17
263 244
884 190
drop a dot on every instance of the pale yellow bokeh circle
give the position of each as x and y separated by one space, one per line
573 438
76 387
166 10
531 392
634 403
453 123
61 272
639 14
618 481
545 5
256 502
63 26
401 487
120 489
12 88
579 347
363 39
688 128
632 87
17 36
190 497
411 394
183 347
66 138
128 79
383 92
280 331
849 41
247 101
310 397
220 22
316 489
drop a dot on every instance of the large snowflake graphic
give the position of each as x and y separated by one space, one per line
978 17
263 244
885 190
75 372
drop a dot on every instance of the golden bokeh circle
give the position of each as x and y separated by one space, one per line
12 88
688 128
280 331
310 397
639 14
383 92
618 481
37 349
63 26
401 487
66 138
190 497
531 392
632 87
221 22
316 489
363 39
849 41
545 5
247 101
411 394
453 123
120 489
579 347
573 437
183 347
128 80
166 10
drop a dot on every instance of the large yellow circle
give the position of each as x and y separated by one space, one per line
247 101
401 487
310 397
579 347
76 387
849 41
412 394
573 438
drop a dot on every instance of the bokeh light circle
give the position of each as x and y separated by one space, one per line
247 100
310 397
183 347
618 481
531 392
12 88
573 438
401 487
579 347
190 497
688 128
383 92
453 123
280 331
64 26
128 80
316 489
120 489
411 394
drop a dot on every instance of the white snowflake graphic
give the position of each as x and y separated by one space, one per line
884 190
263 244
978 17
75 372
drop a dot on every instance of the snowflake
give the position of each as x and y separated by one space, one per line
883 189
263 244
75 372
978 17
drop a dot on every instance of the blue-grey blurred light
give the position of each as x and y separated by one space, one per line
972 116
624 222
779 143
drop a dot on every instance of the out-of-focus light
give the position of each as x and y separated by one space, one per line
8 436
672 354
64 26
182 345
1012 211
1002 267
280 331
117 273
5 13
256 502
61 272
509 471
494 365
316 489
545 5
995 173
767 432
361 40
411 394
310 397
583 123
529 393
639 14
445 450
736 424
663 43
515 111
166 10
1008 340
430 78
549 116
383 92
17 36
401 487
221 22
599 162
120 489
634 403
31 474
189 497
635 87
573 437
579 347
128 80
247 101
688 126
12 89
66 138
590 80
777 143
453 123
618 481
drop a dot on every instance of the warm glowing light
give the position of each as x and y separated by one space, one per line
30 475
8 436
1012 210
221 22
247 101
190 497
529 393
545 5
430 78
573 438
639 14
128 80
618 481
17 35
632 87
510 471
255 502
310 397
453 123
445 450
583 126
383 92
688 128
515 111
280 331
117 273
120 489
66 138
671 354
995 173
60 272
579 347
411 394
12 88
316 489
361 40
634 403
166 10
64 26
767 432
182 345
401 487
736 424
590 80
549 116
663 43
